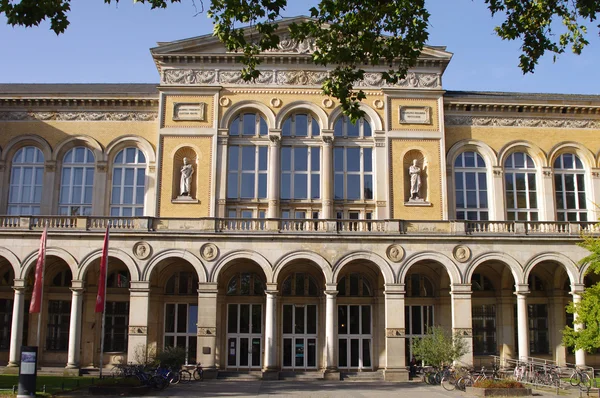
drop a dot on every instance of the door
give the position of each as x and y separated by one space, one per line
417 320
244 336
299 336
180 328
355 340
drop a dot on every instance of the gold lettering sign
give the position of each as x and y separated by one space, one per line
415 115
189 111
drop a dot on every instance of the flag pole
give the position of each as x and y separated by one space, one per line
39 320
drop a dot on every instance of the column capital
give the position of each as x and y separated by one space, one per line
275 138
395 289
77 284
461 288
327 139
577 289
19 284
331 293
207 287
271 293
521 289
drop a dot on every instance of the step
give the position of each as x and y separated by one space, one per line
301 375
240 375
376 375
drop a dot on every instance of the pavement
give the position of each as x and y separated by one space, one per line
316 389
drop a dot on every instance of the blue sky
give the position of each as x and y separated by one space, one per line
110 44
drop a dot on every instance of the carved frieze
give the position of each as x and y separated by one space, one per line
138 330
288 45
455 120
207 331
81 116
465 332
395 332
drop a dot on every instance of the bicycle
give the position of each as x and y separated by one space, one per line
580 379
198 372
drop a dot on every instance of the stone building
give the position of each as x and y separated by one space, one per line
256 226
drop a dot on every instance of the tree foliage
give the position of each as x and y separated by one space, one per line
587 312
439 347
353 33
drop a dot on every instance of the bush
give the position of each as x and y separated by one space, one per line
498 384
172 357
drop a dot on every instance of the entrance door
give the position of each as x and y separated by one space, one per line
244 336
417 320
181 328
354 337
300 336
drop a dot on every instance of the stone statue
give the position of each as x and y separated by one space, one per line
187 170
415 180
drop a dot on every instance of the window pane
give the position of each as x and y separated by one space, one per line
248 158
301 125
315 164
353 159
247 189
300 185
315 186
301 159
249 123
368 159
353 189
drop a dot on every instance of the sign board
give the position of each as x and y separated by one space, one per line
27 372
415 114
189 111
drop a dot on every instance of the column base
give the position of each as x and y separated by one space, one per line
71 370
12 365
11 370
210 374
270 374
332 374
395 375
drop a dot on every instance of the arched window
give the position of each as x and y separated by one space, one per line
481 283
418 285
128 183
569 185
356 285
300 172
344 127
182 283
300 125
470 185
26 181
77 182
245 284
521 188
299 284
248 124
353 173
62 279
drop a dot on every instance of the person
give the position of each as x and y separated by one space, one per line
413 367
415 179
186 177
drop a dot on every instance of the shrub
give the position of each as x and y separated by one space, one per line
172 357
488 383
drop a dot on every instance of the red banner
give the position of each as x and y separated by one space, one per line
38 285
101 298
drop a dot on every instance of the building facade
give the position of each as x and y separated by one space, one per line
259 228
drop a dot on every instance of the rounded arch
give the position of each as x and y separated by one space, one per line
30 260
536 153
513 265
178 254
303 255
261 108
12 258
262 262
574 275
115 253
586 156
80 140
448 264
24 140
370 114
384 266
487 153
130 141
287 110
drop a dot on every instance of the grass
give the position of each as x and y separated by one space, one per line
53 384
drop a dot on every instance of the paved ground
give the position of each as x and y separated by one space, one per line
317 389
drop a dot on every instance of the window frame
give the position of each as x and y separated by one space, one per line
57 325
111 329
561 173
70 207
482 213
37 166
361 173
137 209
532 213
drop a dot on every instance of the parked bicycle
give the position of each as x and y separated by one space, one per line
581 379
198 372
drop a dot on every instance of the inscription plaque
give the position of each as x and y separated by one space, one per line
415 115
189 111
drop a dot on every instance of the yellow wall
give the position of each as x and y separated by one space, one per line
394 114
172 99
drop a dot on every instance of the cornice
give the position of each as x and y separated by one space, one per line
539 108
20 102
95 116
531 122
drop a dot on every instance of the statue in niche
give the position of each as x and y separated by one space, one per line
187 170
415 181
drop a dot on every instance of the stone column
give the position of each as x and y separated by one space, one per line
331 371
556 323
47 203
16 332
506 326
139 305
546 204
221 173
270 363
579 354
100 189
497 205
327 175
75 324
593 212
274 173
395 333
522 321
207 328
462 321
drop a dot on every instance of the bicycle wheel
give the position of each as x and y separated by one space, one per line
185 376
159 383
198 374
174 377
448 382
585 382
574 379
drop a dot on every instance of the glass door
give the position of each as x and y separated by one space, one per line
355 337
417 320
300 336
180 328
244 336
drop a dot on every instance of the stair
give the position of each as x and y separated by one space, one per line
376 375
240 375
301 375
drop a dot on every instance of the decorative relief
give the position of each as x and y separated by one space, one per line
207 331
224 101
201 77
138 330
494 121
275 102
378 104
595 174
465 332
395 332
82 116
189 111
498 172
381 203
222 201
142 250
547 173
288 45
327 103
209 251
462 253
395 253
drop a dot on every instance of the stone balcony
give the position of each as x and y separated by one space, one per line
286 226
